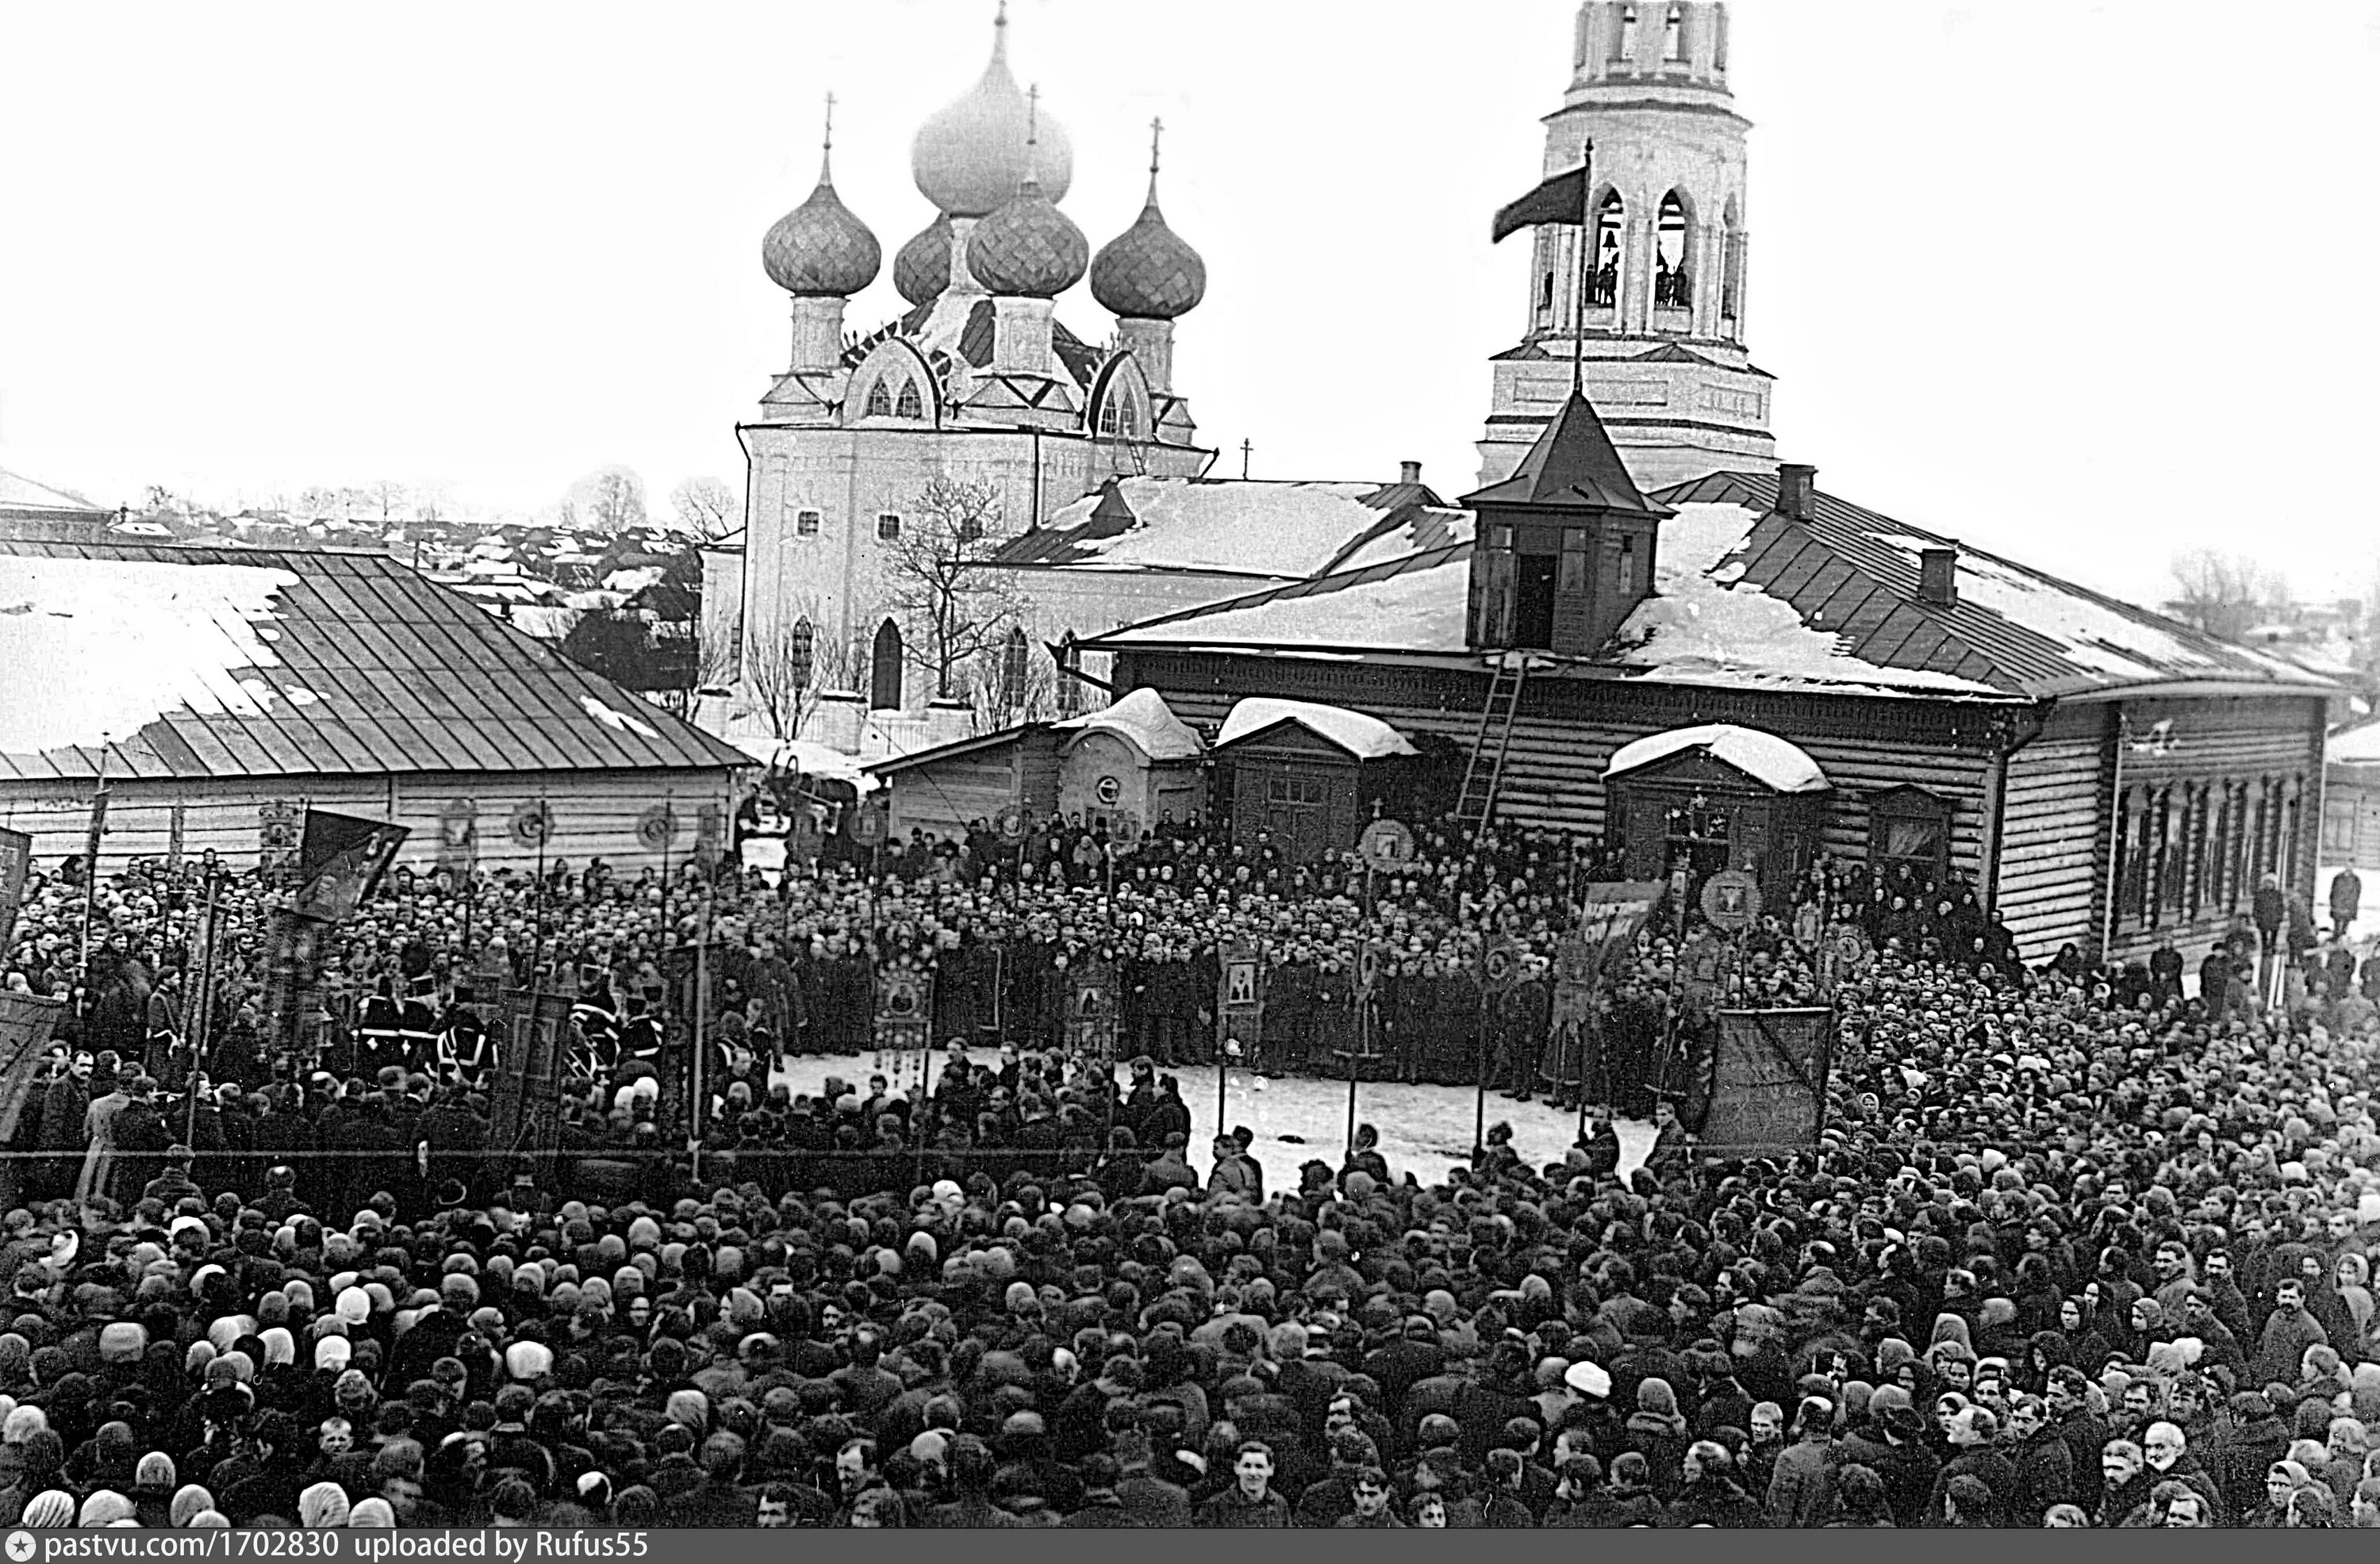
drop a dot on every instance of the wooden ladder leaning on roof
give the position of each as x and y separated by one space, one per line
1483 775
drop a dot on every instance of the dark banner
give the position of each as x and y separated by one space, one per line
15 862
1768 1082
340 860
525 1107
1612 911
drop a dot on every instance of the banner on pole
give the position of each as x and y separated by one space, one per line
904 1007
15 862
280 824
1091 1008
293 979
340 861
1239 1009
1768 1082
525 1107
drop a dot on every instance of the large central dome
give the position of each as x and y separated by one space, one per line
970 158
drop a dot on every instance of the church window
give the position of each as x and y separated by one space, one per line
884 668
1673 285
806 523
1072 698
1731 281
1016 658
1623 41
911 405
1673 36
1719 39
888 526
1610 222
1546 293
880 400
1119 418
801 648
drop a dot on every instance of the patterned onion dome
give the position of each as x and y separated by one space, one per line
922 270
1147 273
1028 249
970 158
820 249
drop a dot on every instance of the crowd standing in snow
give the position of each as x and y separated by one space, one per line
2074 1250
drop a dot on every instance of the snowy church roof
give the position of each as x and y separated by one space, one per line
1747 598
1143 718
189 663
1780 763
1364 737
1235 526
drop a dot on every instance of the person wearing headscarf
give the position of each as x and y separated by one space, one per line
104 1508
190 1501
49 1508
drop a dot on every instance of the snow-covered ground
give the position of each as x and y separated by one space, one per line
1423 1129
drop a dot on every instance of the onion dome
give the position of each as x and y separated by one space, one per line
970 158
820 249
922 270
1028 249
1147 273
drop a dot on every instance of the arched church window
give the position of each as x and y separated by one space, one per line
1731 281
911 405
1610 223
1719 39
1673 36
1119 419
801 649
1624 38
880 400
884 668
1015 660
1673 286
1072 698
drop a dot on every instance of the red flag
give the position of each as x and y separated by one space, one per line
1559 201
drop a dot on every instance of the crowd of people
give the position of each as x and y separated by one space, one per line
2075 1248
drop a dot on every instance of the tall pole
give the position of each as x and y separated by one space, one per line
1585 248
697 1103
91 880
537 959
201 999
1363 1009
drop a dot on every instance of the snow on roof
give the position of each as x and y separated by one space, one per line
1145 719
634 579
98 649
1225 525
1780 764
1422 607
1707 625
1421 528
1364 738
808 756
2357 746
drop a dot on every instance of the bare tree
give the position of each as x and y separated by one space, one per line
608 500
385 495
705 507
781 669
951 609
2224 595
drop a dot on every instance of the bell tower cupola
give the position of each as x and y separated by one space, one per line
1653 278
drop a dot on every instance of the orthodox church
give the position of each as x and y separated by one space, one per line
1656 637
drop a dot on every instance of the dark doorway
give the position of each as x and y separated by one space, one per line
1533 605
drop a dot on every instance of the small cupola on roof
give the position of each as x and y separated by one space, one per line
1027 248
971 156
1147 273
1566 545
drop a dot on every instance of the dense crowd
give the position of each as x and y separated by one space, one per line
2076 1248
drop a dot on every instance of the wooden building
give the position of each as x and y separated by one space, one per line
1125 768
211 689
1297 773
2102 775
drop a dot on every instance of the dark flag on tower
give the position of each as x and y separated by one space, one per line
1561 199
340 861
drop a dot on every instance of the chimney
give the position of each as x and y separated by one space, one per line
1408 472
1797 491
1938 577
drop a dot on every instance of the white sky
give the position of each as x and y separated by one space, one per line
2084 284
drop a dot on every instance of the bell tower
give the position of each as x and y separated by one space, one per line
1661 304
1566 545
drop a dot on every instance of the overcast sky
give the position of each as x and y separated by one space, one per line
2083 283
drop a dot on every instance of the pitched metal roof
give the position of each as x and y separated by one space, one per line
22 496
363 666
1855 573
1573 465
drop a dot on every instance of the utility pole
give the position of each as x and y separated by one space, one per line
1247 447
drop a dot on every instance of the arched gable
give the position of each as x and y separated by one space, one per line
1120 405
893 367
